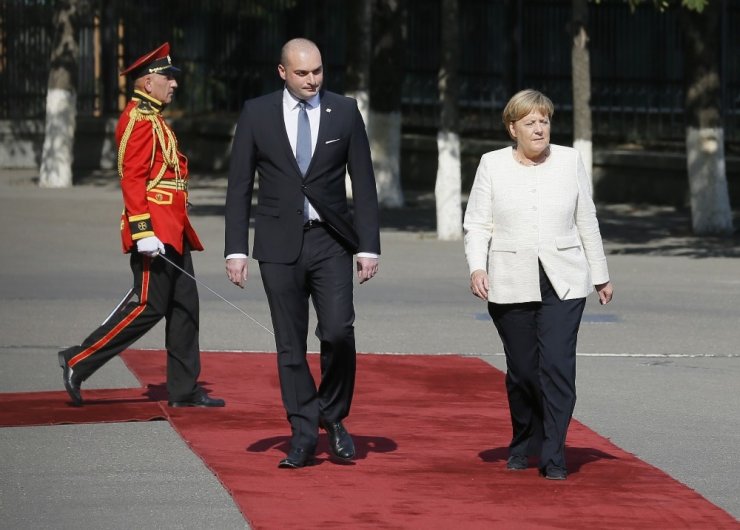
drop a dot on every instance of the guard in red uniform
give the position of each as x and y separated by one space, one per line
154 182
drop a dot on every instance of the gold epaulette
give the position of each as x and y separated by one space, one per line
134 116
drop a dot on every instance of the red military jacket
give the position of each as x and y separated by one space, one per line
154 177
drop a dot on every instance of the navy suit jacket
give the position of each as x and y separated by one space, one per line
261 144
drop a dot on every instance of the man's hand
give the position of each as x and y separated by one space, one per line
150 246
366 268
237 270
479 284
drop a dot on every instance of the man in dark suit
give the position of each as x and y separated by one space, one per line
302 141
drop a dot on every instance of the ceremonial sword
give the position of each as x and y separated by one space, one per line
123 302
196 280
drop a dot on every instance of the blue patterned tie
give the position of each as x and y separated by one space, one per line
303 140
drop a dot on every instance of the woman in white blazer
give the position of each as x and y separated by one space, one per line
534 250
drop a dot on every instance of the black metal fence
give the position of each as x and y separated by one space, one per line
228 50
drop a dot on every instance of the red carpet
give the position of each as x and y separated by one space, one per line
102 406
431 434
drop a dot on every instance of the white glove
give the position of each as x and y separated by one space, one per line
150 246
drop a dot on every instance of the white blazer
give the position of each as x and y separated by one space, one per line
517 215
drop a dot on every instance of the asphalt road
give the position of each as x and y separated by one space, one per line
658 369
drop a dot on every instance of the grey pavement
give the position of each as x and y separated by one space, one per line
658 369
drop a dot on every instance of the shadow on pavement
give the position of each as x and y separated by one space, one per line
626 228
660 230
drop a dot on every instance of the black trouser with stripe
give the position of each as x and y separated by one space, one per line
159 291
539 340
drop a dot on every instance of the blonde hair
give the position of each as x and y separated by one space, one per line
525 102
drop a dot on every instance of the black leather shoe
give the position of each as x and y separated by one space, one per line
297 457
201 401
554 473
340 442
517 462
71 381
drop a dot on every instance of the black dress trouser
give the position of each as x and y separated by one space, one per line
539 341
159 291
322 272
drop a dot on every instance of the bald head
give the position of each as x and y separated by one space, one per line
295 47
301 68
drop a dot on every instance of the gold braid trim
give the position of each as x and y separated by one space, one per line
168 146
133 117
169 151
153 183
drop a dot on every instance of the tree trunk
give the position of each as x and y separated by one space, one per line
386 83
581 72
61 99
449 178
705 149
359 46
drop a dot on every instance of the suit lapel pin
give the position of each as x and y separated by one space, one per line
328 110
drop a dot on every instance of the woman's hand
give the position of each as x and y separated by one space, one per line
479 284
605 291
